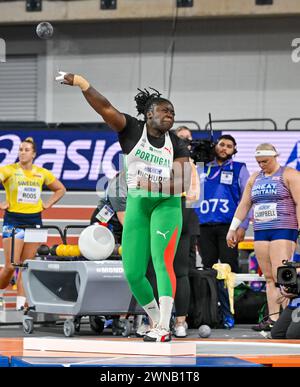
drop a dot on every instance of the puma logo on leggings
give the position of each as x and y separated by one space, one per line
161 233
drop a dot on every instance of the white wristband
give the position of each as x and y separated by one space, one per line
235 224
81 82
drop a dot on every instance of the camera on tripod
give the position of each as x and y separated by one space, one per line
287 276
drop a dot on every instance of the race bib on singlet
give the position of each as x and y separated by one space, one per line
154 174
28 194
265 212
105 214
145 162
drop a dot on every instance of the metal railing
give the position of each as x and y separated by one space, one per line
289 121
188 122
270 120
191 124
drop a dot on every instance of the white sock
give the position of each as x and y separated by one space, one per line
20 301
165 306
152 311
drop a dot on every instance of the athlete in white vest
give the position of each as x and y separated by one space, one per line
158 171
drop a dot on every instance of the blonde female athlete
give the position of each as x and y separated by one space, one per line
23 182
274 193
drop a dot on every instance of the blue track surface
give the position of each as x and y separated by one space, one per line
150 361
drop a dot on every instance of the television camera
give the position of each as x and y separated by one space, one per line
287 276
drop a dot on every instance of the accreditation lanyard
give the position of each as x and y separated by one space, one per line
230 162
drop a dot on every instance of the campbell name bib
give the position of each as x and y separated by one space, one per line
265 212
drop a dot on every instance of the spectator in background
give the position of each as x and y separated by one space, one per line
223 186
185 134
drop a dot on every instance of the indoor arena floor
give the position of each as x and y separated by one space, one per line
238 347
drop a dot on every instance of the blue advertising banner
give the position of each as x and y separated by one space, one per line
81 156
78 157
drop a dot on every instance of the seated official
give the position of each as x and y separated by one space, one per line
111 209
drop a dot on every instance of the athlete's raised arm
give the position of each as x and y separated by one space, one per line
99 103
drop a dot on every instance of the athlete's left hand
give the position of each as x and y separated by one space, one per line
231 238
141 183
240 234
146 184
46 206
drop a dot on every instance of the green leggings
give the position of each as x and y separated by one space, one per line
152 228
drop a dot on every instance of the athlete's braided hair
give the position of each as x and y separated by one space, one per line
145 100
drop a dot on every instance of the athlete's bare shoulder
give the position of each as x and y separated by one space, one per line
289 171
291 176
253 177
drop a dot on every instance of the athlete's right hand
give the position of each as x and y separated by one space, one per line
231 238
4 205
65 78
